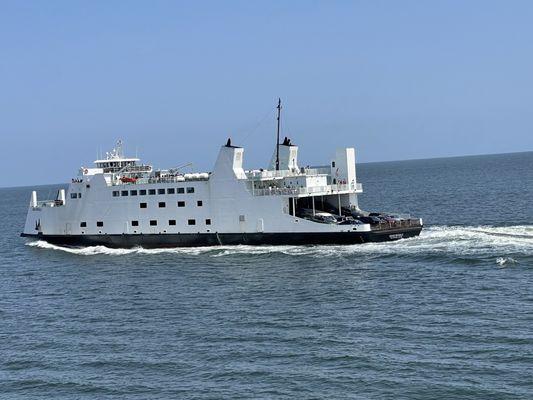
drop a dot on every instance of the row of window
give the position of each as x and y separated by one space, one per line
163 204
153 222
151 192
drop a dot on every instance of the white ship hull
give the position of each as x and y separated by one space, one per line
106 206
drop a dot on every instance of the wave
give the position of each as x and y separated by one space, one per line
503 244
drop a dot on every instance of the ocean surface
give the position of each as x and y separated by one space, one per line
446 315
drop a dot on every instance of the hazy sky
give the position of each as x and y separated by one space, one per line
394 79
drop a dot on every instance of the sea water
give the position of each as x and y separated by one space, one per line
446 315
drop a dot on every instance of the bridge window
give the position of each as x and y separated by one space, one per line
181 204
143 205
191 222
153 222
160 191
134 223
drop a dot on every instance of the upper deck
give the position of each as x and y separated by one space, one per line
288 179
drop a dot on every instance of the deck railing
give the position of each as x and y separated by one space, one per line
383 225
328 189
266 174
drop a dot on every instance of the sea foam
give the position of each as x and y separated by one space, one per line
454 241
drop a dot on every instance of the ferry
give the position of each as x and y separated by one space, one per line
120 202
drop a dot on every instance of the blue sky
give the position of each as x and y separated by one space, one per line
394 79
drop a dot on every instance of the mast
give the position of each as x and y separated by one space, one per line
277 141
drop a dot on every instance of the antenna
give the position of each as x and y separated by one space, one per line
277 139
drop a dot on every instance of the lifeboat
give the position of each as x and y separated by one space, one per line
127 179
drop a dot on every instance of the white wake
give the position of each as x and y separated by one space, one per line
454 241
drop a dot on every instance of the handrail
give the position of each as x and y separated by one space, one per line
268 174
382 225
328 189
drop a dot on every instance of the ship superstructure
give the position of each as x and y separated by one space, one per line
120 202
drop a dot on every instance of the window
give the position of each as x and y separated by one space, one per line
142 192
162 204
153 222
99 223
74 195
172 222
199 203
208 221
181 190
79 195
181 204
151 191
133 193
241 218
171 191
124 193
190 190
134 223
333 164
160 191
87 186
191 222
83 224
115 193
143 205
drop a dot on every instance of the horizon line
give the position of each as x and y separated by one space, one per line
363 162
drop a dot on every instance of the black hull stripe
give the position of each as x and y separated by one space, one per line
216 239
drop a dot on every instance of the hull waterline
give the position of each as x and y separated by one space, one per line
226 239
